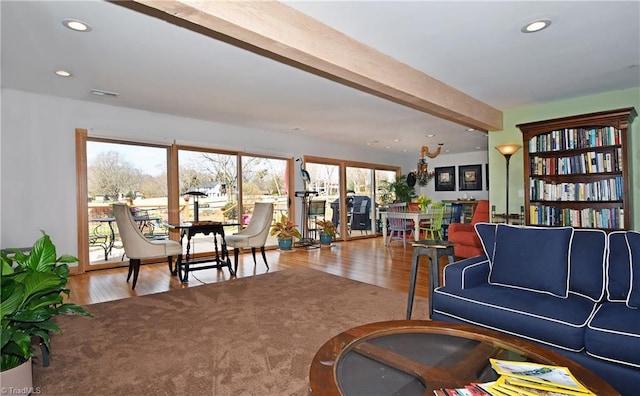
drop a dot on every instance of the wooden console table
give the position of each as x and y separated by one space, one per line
220 258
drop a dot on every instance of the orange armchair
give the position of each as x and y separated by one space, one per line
464 234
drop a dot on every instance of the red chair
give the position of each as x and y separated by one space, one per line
464 234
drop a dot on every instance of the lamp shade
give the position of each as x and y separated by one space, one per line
508 149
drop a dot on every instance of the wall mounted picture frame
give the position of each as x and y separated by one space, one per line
470 177
445 178
486 176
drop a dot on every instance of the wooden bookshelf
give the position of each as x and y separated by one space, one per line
576 170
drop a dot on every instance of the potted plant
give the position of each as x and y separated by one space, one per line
396 191
285 230
328 231
424 202
32 289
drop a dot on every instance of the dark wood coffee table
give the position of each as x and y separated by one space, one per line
414 357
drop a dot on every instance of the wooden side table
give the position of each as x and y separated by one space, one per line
434 249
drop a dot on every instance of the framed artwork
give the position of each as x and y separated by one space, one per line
470 177
486 176
446 178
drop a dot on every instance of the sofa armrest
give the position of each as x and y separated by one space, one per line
467 273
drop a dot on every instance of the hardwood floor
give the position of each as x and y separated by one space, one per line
365 260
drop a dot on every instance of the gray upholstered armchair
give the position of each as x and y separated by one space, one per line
255 235
137 247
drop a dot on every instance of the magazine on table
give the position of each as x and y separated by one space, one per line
535 375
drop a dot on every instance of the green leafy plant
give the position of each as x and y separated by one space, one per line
32 295
424 202
397 190
327 227
285 228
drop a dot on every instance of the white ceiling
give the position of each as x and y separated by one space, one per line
474 46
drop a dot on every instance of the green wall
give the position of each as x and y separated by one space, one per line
582 105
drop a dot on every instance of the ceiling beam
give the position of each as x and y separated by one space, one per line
275 30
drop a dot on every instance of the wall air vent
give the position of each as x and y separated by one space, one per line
100 92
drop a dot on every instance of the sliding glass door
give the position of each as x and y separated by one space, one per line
381 175
128 173
264 180
325 182
360 201
350 192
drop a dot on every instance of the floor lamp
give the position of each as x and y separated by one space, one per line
507 150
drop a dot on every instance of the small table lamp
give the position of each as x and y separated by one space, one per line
195 195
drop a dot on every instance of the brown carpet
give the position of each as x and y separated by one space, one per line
249 336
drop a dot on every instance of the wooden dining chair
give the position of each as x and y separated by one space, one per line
433 229
399 225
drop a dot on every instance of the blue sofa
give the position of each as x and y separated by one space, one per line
574 291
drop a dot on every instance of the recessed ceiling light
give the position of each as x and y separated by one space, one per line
397 140
63 73
478 148
536 26
470 129
431 135
101 92
447 150
77 25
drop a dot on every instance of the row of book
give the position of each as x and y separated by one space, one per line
610 189
610 218
523 379
589 162
575 138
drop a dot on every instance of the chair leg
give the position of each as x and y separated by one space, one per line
136 271
130 270
236 252
264 256
253 253
170 262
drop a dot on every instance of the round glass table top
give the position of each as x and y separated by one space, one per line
413 357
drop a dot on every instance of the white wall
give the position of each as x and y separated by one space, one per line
37 156
473 158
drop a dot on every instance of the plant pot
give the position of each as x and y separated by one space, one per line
285 243
19 379
326 239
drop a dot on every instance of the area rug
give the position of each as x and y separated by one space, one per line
248 336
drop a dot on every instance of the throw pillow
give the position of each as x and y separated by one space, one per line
487 234
535 259
633 301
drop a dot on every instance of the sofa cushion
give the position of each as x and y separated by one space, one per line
614 334
618 267
539 317
487 234
531 258
588 263
633 239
